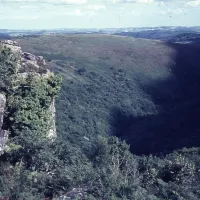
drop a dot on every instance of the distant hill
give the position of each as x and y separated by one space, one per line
175 34
143 91
150 34
189 38
4 36
167 35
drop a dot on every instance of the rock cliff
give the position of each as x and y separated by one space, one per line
27 64
2 108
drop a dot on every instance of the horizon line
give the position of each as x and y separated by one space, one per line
35 29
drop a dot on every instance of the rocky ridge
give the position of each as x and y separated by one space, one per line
28 63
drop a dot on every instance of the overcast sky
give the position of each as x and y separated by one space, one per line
47 14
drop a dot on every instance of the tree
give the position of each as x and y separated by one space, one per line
8 68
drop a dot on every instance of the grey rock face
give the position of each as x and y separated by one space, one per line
2 108
77 193
13 45
52 132
29 56
10 42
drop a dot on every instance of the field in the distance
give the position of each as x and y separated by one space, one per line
144 91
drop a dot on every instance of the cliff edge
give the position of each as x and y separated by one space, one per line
27 94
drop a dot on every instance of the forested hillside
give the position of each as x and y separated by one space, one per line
143 91
134 89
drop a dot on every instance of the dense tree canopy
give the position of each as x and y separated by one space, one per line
34 167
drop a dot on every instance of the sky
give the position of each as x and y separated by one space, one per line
53 14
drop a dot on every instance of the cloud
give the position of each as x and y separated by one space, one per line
193 4
76 13
29 7
76 2
145 1
132 1
96 7
172 11
70 2
160 3
20 17
135 13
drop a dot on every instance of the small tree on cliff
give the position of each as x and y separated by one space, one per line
8 68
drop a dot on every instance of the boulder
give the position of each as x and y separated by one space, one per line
29 56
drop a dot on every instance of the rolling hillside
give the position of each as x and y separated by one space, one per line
143 91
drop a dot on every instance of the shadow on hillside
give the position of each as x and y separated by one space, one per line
178 123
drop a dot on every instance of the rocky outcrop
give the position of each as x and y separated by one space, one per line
13 45
52 131
2 108
32 63
2 133
75 193
28 63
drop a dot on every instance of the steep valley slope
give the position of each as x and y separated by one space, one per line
143 91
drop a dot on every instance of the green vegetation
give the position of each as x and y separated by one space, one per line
49 170
96 99
8 63
28 98
28 105
145 93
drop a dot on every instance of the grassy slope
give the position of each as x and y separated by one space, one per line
138 89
